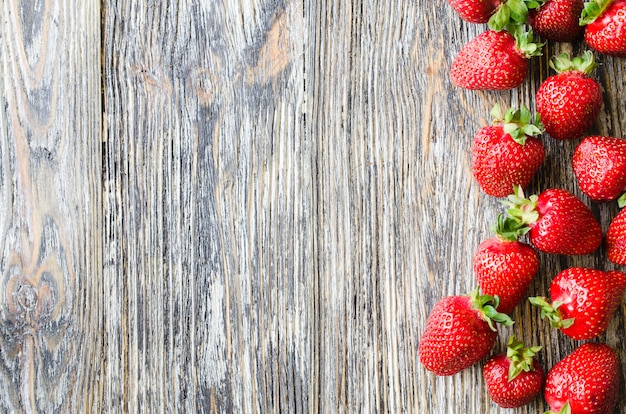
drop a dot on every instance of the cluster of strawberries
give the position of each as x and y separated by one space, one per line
461 330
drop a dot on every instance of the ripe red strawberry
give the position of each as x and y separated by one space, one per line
559 222
557 20
605 26
616 238
583 301
459 332
475 11
588 380
497 12
514 378
570 101
505 267
494 60
507 153
599 164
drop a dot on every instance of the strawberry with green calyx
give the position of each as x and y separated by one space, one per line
559 222
605 26
514 378
495 60
599 164
557 20
460 331
508 152
588 380
570 101
583 301
616 236
497 13
505 267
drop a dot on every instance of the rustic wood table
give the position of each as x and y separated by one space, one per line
250 206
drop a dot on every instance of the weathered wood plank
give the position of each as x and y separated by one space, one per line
286 192
399 215
208 179
50 206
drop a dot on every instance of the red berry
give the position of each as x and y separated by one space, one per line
558 222
507 153
605 29
599 164
474 11
514 378
505 267
570 101
583 301
557 20
616 239
588 380
459 332
495 60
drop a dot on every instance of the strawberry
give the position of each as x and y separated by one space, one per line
558 222
616 238
557 20
474 11
508 152
514 378
460 331
583 301
599 164
497 12
605 26
570 101
495 60
505 267
587 381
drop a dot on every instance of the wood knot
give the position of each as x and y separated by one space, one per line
31 301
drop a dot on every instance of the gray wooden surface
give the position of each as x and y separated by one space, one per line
248 206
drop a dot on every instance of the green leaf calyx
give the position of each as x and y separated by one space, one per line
512 12
518 123
592 10
509 229
551 312
525 40
486 305
584 63
520 208
520 357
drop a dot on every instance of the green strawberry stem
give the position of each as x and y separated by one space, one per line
486 305
521 209
517 123
512 11
509 229
592 10
621 202
584 63
525 40
551 312
520 357
566 409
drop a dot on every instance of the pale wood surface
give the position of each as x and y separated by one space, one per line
224 206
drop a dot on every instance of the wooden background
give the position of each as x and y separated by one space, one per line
249 206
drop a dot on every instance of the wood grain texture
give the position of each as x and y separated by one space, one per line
50 221
209 252
261 214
